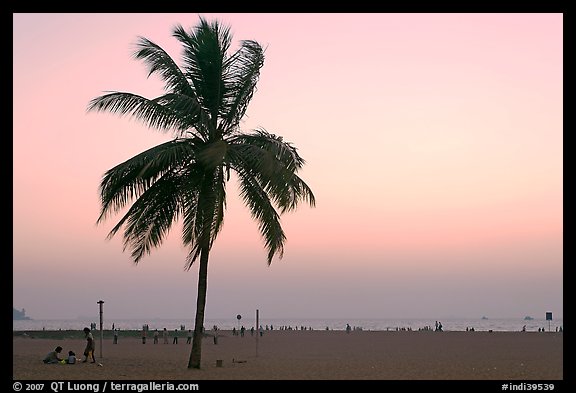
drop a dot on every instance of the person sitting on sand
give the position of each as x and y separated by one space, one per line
52 357
71 358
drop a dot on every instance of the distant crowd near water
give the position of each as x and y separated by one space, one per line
407 324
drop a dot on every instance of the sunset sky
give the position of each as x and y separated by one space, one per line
433 144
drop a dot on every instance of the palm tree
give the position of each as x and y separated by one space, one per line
185 178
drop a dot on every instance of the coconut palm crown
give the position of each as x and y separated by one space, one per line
185 178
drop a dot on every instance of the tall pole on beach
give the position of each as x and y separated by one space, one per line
101 302
257 330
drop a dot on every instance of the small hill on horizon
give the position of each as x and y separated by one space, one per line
19 314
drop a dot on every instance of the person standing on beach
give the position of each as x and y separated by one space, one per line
175 339
156 334
115 337
90 346
215 329
165 336
189 337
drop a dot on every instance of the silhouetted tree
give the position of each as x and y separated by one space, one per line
185 178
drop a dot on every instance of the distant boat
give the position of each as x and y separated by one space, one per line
484 317
528 318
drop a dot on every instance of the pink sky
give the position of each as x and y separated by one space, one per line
434 146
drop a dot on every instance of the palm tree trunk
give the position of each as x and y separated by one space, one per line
196 352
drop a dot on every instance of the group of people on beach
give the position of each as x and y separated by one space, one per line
53 357
165 335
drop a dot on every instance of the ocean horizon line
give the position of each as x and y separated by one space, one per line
483 317
375 324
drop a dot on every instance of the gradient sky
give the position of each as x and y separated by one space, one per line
434 147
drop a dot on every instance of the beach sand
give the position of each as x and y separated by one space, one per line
307 355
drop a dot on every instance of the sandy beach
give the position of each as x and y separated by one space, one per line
307 355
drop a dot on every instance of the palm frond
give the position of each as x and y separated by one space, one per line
158 61
150 112
190 113
219 205
129 180
275 145
256 199
190 193
274 163
208 217
241 77
150 217
204 54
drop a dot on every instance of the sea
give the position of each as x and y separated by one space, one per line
377 324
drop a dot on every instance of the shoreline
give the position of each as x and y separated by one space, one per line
304 355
